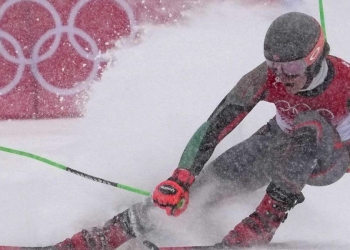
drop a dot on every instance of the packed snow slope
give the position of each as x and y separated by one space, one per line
138 121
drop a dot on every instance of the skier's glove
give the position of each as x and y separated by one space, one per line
172 194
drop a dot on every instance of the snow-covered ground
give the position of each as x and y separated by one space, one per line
138 121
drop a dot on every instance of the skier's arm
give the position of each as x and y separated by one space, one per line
172 194
229 113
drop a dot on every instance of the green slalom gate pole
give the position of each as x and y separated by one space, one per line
323 23
73 171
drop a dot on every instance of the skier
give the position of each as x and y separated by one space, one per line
307 142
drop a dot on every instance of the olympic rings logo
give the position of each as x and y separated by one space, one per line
291 111
57 32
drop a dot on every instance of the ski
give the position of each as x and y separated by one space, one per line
152 246
148 244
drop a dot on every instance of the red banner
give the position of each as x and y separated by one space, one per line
50 49
49 53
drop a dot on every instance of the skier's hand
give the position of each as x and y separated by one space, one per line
172 194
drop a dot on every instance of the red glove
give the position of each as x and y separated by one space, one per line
172 194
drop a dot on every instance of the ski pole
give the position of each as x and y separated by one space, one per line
320 4
73 171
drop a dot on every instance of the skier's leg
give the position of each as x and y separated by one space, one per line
242 167
127 225
315 149
316 155
260 226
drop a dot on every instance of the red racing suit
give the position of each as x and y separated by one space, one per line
331 100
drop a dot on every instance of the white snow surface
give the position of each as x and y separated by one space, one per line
137 123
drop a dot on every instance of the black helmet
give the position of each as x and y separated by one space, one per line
294 36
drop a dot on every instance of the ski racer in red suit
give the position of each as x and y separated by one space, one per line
307 142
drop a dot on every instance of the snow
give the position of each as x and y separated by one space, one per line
138 121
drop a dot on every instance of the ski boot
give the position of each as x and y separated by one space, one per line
260 226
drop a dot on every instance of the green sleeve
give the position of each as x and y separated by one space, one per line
228 114
192 148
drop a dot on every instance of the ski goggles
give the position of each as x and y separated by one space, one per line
298 67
